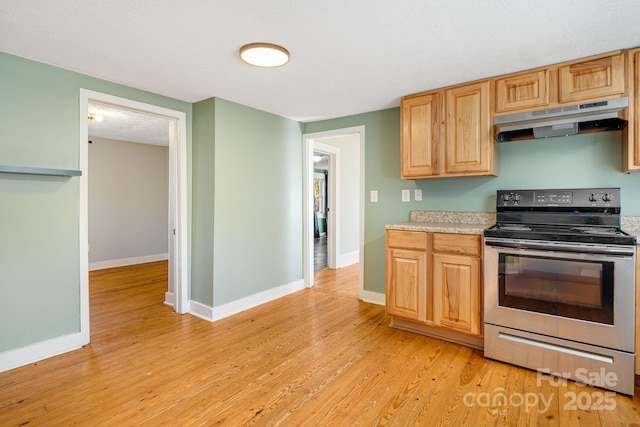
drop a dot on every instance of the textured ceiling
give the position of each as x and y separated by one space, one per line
322 162
126 125
347 57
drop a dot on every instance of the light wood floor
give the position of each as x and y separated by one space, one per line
318 357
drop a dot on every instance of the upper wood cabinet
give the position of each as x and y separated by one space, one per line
447 133
631 134
522 91
590 79
421 123
598 78
469 142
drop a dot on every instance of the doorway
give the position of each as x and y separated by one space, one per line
321 209
345 213
128 187
326 203
177 292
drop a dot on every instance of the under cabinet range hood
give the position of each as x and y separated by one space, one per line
562 121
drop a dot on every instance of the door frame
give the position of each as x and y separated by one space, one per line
308 142
178 249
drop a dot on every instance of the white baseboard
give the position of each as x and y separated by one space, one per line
170 299
200 310
348 259
373 297
220 312
41 350
99 265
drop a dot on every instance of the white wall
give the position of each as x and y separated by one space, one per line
349 196
128 203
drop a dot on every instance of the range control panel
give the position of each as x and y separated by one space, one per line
578 198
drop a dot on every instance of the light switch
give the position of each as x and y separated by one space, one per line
374 196
406 196
417 194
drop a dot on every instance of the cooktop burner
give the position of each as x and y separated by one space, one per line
514 227
611 235
588 215
596 230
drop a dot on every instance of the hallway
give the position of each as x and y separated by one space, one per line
320 253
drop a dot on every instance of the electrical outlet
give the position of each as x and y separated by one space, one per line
374 196
406 196
417 194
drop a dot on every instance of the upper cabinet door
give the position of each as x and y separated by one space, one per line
469 143
420 133
631 134
597 78
522 91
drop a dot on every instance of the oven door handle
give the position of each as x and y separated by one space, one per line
562 247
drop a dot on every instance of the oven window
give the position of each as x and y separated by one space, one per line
567 288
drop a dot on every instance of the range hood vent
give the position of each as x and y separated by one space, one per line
562 121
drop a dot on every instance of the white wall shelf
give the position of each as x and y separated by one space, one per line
39 171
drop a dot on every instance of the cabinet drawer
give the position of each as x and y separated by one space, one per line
407 239
467 244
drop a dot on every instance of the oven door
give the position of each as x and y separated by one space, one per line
575 291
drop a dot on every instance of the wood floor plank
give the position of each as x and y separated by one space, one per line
317 357
354 388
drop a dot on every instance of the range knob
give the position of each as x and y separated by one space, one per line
516 197
592 197
505 197
606 197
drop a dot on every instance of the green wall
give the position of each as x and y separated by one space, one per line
248 196
258 202
577 161
39 258
203 178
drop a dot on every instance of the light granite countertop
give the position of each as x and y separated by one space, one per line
439 227
475 222
446 222
631 225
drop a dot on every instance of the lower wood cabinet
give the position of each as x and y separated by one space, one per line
433 284
456 292
406 266
407 269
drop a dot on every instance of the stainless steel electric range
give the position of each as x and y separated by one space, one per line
559 285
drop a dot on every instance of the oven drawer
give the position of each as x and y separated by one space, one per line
570 359
407 239
464 244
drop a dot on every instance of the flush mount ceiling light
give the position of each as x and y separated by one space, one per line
96 117
264 54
